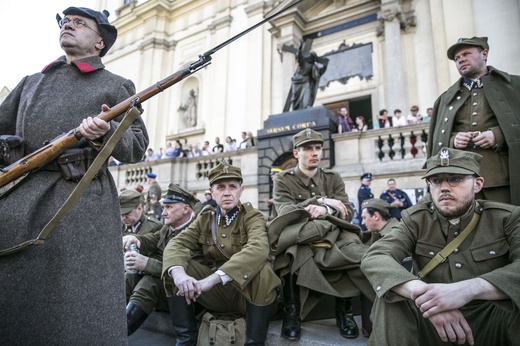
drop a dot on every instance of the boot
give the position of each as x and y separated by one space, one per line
291 324
345 320
135 316
183 320
257 323
366 323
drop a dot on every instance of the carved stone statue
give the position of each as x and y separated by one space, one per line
306 79
189 109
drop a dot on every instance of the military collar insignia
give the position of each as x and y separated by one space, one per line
473 84
445 158
227 218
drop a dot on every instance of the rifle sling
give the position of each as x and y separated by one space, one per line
441 256
128 119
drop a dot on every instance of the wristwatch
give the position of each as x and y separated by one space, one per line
321 200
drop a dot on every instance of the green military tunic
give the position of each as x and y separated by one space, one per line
146 224
324 253
491 252
146 288
244 240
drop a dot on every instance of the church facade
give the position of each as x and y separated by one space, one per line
384 54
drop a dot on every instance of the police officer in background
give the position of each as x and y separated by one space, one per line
145 290
467 252
133 217
236 275
153 207
364 193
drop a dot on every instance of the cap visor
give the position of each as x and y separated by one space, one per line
448 170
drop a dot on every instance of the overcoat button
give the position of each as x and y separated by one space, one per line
492 252
458 265
378 288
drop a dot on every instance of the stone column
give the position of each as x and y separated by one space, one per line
394 70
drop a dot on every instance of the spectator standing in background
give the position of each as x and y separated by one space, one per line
414 117
345 124
218 148
399 119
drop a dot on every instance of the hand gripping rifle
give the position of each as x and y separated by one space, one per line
15 172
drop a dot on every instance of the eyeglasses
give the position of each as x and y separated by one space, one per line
453 180
78 23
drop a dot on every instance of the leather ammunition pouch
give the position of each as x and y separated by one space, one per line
11 149
74 163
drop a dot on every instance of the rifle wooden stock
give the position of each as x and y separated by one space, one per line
53 150
43 156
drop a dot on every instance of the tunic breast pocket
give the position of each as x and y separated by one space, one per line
424 252
206 242
491 256
238 239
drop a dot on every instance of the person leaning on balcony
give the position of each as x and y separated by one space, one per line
236 275
467 295
383 120
399 119
317 250
361 124
480 114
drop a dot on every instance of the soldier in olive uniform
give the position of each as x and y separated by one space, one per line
480 113
317 249
377 218
145 290
237 276
133 217
469 293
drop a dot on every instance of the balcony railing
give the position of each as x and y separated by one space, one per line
392 152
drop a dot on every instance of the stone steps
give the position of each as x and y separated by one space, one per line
322 332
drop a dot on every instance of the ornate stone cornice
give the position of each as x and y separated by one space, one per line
406 19
220 23
155 43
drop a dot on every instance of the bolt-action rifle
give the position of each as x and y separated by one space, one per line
15 172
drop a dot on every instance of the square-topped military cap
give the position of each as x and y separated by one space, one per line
129 200
453 161
377 204
306 136
474 41
224 171
176 194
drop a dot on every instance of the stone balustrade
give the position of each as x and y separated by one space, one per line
386 153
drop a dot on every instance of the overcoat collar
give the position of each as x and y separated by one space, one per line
85 65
